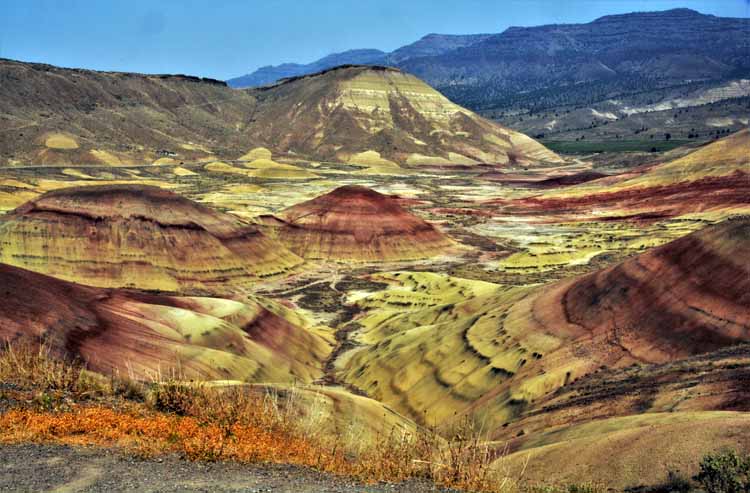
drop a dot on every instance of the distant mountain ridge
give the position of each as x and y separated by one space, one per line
553 65
612 54
429 45
273 73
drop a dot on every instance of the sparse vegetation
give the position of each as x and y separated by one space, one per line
590 147
725 471
31 365
210 423
570 488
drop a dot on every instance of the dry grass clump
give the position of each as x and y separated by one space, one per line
238 423
31 365
28 365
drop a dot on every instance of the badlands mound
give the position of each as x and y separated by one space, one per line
354 223
145 335
137 236
713 177
496 352
353 113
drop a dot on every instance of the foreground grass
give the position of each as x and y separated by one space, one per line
50 401
46 400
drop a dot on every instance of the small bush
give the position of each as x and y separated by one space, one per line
586 488
569 488
725 472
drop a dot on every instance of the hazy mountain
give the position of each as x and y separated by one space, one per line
642 59
272 73
557 64
432 44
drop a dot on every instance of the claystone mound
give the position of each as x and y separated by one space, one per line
137 236
143 334
687 297
355 223
348 113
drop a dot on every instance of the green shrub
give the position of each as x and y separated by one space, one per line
725 472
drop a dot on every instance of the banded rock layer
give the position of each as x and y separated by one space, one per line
496 353
711 178
340 113
137 236
354 223
66 117
146 336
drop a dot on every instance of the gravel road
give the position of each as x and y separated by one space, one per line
56 468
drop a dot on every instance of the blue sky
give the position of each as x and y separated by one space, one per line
226 38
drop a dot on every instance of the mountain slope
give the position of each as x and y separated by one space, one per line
432 44
53 115
58 116
593 61
619 52
270 74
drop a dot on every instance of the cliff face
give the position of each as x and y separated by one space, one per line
357 224
139 236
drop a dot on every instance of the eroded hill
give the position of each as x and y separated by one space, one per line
63 116
153 337
355 223
138 236
441 347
